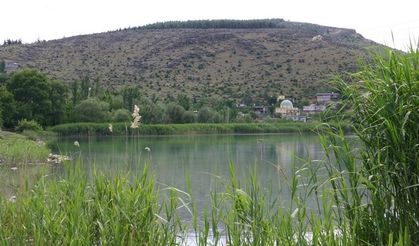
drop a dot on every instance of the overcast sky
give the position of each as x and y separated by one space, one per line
30 20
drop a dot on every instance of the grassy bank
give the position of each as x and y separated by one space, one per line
16 148
73 211
171 129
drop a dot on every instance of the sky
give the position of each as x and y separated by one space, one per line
31 20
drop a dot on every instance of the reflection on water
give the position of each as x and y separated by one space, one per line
204 158
14 179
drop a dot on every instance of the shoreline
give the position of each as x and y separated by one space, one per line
122 129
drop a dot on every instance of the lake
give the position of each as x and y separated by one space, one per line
205 159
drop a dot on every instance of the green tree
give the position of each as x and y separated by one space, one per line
96 90
91 110
189 117
152 113
85 88
121 115
1 119
57 95
174 113
130 95
8 108
3 78
75 93
2 66
208 115
184 101
31 90
117 102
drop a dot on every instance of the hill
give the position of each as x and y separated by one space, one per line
221 59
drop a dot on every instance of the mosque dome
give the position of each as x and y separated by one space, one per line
287 104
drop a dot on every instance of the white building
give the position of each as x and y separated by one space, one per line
313 108
324 98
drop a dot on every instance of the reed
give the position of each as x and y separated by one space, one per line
171 129
17 149
384 199
72 210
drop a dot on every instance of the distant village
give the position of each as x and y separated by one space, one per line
287 111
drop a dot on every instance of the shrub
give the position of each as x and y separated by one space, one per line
121 115
31 125
116 102
208 115
91 110
189 117
246 118
174 113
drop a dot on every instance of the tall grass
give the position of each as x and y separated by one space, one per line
379 196
170 129
17 149
72 211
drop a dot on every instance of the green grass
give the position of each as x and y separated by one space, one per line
18 149
71 211
385 102
119 210
170 129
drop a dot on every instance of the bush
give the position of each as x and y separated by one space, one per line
189 117
174 113
121 115
151 113
116 102
208 115
31 125
91 110
246 118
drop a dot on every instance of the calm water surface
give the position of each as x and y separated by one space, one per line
204 158
171 159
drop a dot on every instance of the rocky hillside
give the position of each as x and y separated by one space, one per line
202 58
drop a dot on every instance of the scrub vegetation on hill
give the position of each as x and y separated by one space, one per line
219 59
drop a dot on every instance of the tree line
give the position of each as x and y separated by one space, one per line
12 42
207 24
30 95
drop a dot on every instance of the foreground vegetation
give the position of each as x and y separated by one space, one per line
16 148
369 197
